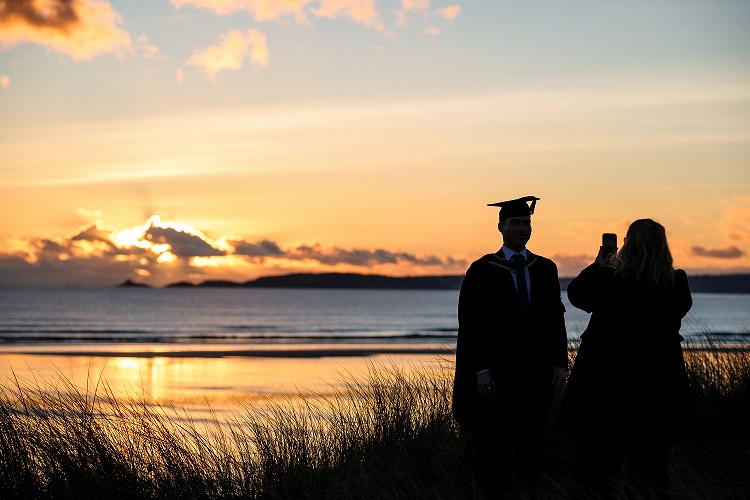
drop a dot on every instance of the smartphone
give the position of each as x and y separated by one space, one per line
609 246
609 240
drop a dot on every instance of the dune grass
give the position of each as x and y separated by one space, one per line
389 436
713 460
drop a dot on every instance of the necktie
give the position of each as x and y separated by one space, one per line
523 292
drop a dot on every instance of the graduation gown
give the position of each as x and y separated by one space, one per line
628 386
520 350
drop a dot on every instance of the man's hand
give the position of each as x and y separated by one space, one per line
485 385
558 377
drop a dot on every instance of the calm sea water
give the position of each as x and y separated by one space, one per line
210 350
279 316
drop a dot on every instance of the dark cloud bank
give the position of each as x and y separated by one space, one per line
162 254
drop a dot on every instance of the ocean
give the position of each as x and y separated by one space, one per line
278 317
210 349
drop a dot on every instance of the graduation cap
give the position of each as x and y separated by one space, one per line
515 208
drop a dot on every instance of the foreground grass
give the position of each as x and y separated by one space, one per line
391 436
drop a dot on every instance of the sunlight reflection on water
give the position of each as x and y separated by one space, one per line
202 385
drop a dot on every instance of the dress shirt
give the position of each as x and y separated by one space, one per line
508 253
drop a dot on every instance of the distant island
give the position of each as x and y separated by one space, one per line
328 280
725 283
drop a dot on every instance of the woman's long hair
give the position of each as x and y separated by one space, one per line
644 258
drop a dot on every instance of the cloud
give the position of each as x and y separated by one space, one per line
148 50
415 4
93 232
361 257
81 29
258 48
421 11
359 11
728 237
160 252
98 255
54 271
182 243
735 219
731 252
235 47
264 10
231 52
735 224
449 13
263 248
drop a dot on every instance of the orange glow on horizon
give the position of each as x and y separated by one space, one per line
162 252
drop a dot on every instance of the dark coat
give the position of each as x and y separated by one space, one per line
493 334
629 382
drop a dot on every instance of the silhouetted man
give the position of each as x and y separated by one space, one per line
511 354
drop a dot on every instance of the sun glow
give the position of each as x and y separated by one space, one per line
90 248
166 256
224 261
208 261
142 237
129 238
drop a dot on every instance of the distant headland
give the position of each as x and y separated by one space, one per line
328 280
727 283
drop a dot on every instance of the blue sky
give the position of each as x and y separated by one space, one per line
366 127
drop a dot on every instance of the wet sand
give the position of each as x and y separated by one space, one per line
210 378
289 353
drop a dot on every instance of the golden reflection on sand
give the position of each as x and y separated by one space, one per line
221 383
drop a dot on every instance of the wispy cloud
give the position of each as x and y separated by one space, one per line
735 219
359 256
263 10
449 13
148 50
731 252
416 5
81 29
359 11
363 12
422 10
84 29
231 52
263 248
4 81
735 223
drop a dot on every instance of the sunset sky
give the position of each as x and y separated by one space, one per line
229 139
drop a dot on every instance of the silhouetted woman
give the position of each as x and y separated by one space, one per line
628 393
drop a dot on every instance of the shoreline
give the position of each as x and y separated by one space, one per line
718 343
255 353
219 351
